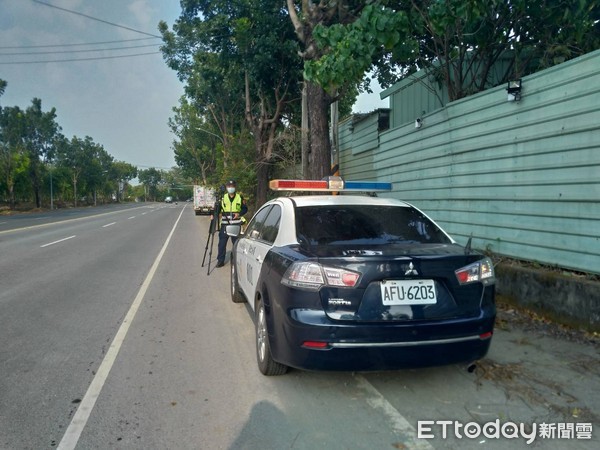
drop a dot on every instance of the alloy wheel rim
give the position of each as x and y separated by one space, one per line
261 334
233 280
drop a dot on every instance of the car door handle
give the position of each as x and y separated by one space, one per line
259 259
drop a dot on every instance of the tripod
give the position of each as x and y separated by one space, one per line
212 227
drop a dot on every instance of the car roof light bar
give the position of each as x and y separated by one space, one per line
330 184
367 186
298 185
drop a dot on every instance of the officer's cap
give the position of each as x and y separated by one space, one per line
230 183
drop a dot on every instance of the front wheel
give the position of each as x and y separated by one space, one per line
266 364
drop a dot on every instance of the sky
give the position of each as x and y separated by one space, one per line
121 98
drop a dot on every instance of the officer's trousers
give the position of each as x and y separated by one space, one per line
223 238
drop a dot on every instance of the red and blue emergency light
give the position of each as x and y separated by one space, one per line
330 184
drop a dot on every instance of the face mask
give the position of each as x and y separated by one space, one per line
231 190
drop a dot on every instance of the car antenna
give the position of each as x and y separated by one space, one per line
468 246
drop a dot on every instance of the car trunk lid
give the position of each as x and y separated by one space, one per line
404 282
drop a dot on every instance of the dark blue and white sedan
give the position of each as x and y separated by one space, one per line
349 282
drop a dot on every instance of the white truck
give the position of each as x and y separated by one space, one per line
204 200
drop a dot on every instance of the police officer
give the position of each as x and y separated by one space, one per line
233 207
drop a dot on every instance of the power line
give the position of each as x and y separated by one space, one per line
14 47
76 51
78 59
154 167
95 18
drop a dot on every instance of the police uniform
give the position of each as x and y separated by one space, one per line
233 207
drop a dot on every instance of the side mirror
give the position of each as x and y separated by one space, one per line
233 230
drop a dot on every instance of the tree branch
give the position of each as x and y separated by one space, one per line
296 22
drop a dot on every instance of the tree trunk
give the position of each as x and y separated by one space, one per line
263 129
75 192
38 197
11 196
305 136
262 182
318 117
35 181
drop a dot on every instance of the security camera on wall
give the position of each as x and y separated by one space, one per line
418 122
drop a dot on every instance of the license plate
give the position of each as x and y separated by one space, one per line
408 292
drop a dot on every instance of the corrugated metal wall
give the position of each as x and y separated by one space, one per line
414 97
419 94
523 178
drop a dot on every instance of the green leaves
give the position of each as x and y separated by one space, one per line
464 38
350 50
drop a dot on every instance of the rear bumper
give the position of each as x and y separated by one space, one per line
407 344
377 346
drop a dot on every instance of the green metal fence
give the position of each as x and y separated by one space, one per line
522 178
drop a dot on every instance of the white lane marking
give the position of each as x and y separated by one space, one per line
132 217
56 242
108 224
399 424
73 433
2 223
60 222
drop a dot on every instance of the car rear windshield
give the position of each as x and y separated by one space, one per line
365 225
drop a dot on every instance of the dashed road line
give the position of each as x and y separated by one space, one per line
56 242
61 222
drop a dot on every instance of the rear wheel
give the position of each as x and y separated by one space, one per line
236 295
266 365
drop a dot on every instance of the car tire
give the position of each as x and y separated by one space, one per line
236 295
266 364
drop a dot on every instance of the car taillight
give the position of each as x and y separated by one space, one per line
481 271
308 275
340 277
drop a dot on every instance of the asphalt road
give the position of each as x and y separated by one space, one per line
112 335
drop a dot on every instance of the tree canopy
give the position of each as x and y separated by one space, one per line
37 161
456 41
242 73
40 167
242 63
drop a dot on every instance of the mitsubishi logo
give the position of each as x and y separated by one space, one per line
411 270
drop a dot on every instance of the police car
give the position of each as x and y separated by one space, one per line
351 282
